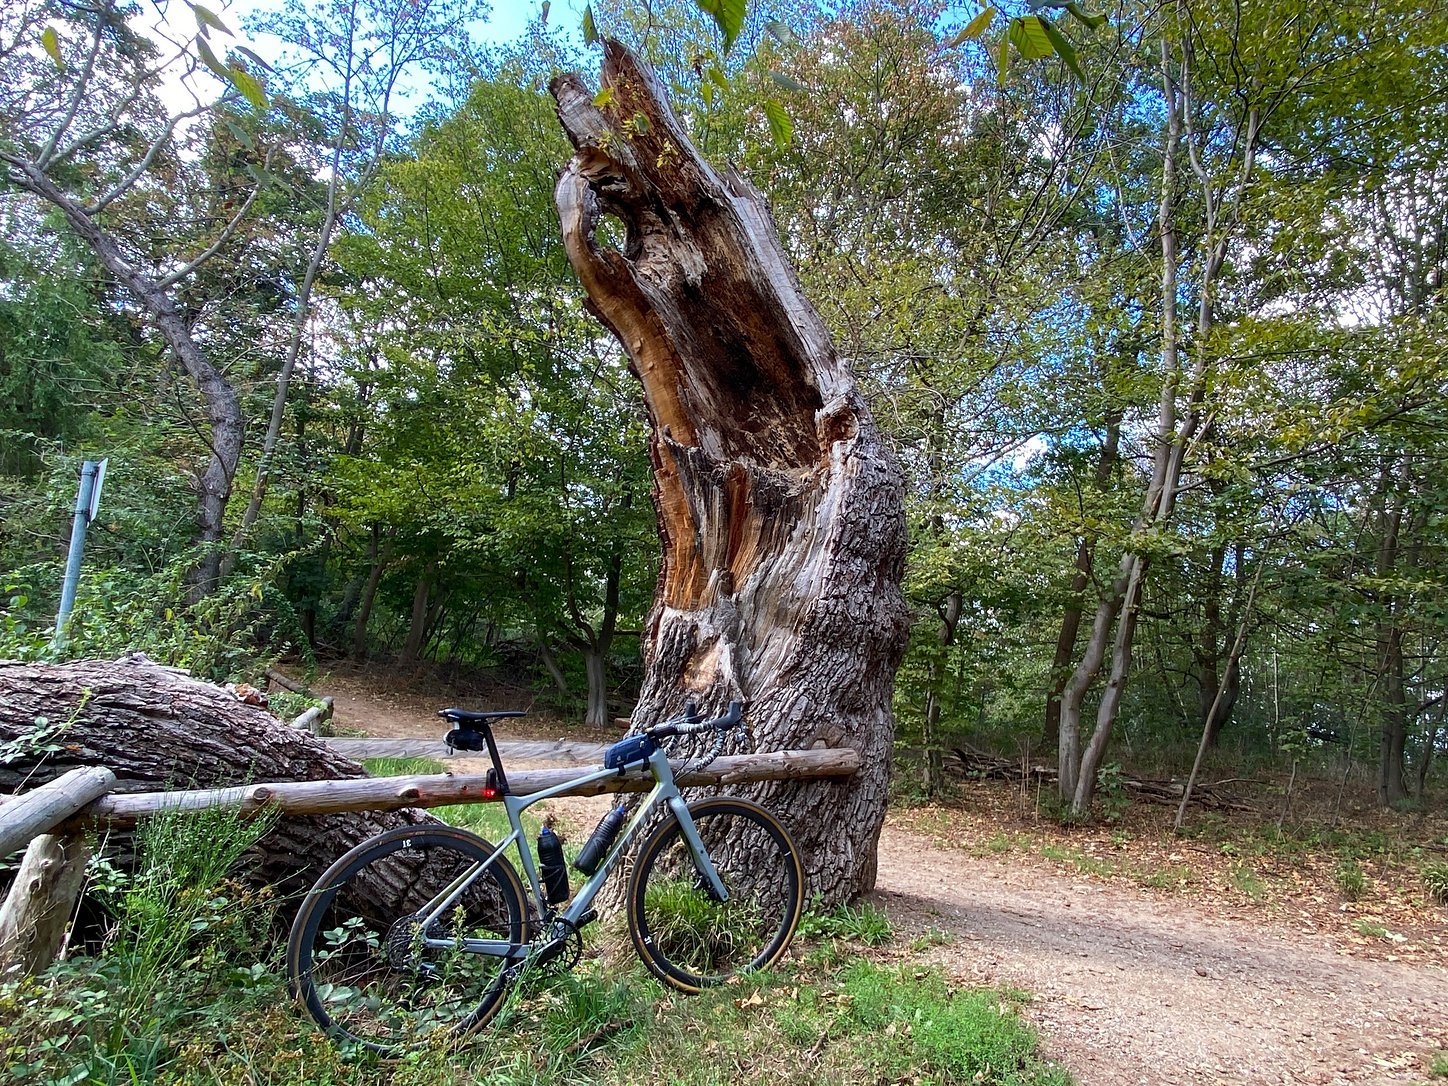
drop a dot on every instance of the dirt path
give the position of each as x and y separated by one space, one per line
1128 987
1134 988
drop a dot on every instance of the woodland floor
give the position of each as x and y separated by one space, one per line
1151 959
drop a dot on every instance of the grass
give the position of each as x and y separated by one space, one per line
487 820
852 1021
1435 881
1352 883
1438 1064
864 923
1373 930
188 991
183 941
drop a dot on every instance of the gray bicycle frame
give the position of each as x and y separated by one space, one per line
664 791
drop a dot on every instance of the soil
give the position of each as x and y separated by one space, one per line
1148 959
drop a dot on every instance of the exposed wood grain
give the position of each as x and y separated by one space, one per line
780 510
41 901
40 810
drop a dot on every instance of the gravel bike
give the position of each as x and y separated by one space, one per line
417 935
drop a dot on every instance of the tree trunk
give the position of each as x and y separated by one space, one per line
417 626
223 408
369 595
934 776
595 665
1085 561
37 911
779 508
550 664
155 728
1216 694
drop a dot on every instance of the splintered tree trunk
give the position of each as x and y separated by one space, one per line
779 509
158 729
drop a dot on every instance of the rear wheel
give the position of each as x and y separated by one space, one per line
368 964
684 934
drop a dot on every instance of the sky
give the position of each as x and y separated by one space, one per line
176 22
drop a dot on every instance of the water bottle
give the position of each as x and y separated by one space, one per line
551 866
600 842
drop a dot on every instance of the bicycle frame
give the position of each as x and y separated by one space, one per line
663 791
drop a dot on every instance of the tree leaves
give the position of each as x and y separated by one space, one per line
974 29
1028 35
249 85
728 16
788 82
590 28
780 125
1062 47
207 20
50 42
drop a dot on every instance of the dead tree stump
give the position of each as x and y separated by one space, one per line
779 508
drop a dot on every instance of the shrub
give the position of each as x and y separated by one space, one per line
1351 882
1435 881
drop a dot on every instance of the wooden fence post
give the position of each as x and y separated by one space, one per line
43 896
40 903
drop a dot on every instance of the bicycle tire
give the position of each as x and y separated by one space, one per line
684 937
354 958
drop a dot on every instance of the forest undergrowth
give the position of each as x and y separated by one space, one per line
185 986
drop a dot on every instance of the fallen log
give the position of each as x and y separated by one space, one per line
441 789
976 764
158 729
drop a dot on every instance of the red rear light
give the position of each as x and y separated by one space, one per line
490 793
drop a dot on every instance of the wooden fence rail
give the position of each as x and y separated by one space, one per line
39 810
441 789
55 818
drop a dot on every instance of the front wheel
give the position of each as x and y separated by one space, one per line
404 940
688 938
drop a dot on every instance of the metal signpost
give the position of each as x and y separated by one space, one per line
87 502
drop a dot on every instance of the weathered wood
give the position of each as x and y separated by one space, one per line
41 901
276 678
436 790
780 510
982 765
38 811
313 719
157 729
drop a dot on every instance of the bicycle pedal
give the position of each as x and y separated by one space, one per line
588 917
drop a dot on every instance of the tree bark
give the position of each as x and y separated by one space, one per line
417 626
378 557
934 776
155 728
779 509
1085 564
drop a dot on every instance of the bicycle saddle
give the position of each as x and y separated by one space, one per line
468 716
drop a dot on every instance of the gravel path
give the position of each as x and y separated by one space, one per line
1135 988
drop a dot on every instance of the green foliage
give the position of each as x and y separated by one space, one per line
863 923
187 948
1352 883
1435 881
